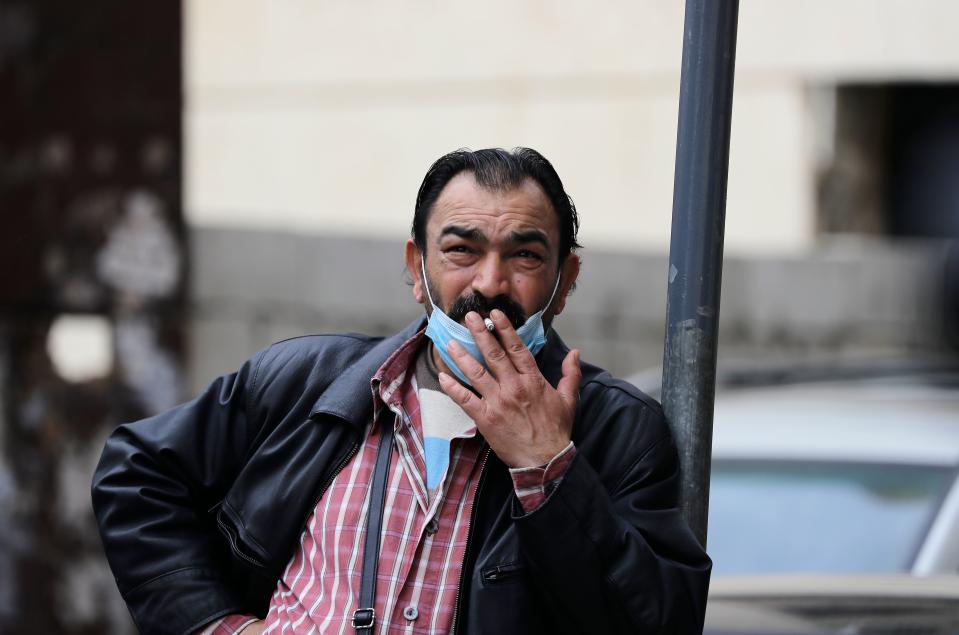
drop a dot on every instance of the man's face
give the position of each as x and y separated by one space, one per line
487 249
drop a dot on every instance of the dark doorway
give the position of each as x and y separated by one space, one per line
923 161
93 236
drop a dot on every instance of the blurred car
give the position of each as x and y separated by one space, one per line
834 605
835 469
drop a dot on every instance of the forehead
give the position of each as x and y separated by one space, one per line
465 202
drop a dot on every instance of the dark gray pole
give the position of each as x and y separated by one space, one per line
696 247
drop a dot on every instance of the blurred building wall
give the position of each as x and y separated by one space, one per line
842 301
323 117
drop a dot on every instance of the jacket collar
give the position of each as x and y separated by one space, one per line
550 359
349 396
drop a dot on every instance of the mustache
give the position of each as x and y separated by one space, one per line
481 304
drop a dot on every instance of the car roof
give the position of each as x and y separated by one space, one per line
886 420
875 409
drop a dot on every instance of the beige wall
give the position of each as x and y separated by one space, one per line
323 116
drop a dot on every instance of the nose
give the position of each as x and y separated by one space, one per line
491 277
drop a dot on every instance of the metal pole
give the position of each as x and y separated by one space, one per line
696 247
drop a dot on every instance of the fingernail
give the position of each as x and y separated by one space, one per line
496 314
472 316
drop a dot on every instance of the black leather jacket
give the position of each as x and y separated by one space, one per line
200 508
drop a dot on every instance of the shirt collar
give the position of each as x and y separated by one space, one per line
393 372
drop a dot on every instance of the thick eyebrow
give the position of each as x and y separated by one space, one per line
466 233
515 238
530 236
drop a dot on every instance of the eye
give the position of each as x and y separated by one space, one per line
460 254
528 254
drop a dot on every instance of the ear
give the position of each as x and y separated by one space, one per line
570 271
413 265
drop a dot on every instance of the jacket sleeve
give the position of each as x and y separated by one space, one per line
152 492
619 559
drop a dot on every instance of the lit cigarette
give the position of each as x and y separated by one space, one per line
489 324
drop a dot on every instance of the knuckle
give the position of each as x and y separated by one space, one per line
496 355
521 396
529 365
477 372
493 416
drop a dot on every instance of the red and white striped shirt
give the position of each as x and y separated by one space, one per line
424 539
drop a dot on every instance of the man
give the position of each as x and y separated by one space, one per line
520 490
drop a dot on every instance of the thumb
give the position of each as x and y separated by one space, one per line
568 386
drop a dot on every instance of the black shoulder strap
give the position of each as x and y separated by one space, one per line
363 617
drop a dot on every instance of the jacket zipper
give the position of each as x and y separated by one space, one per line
235 544
502 572
469 534
336 472
232 535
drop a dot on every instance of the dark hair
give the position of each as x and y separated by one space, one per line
498 170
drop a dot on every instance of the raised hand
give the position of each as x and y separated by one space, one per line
525 420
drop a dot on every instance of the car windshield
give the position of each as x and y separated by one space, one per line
790 516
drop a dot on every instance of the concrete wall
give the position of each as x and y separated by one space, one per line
324 116
250 289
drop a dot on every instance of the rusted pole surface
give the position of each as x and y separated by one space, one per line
696 246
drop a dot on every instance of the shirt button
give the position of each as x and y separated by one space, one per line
433 526
410 612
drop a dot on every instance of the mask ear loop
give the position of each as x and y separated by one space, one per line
553 294
425 283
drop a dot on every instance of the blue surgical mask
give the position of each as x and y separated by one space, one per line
442 330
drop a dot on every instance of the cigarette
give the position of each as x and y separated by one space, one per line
489 325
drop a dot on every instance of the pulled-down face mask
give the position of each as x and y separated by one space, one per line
442 330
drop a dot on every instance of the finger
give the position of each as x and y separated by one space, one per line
470 403
493 352
568 386
520 356
482 380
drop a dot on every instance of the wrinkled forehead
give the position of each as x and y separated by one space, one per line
490 213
